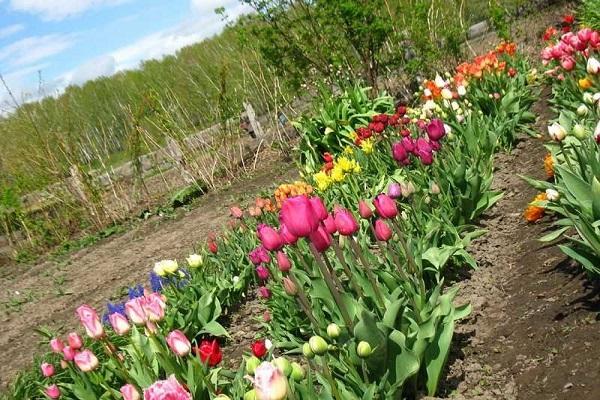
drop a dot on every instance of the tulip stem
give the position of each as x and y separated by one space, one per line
329 377
364 371
303 300
409 256
405 278
334 276
340 256
371 276
334 292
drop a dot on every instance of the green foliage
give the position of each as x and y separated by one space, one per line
589 14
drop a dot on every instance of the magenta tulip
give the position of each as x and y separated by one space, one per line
283 262
329 224
385 206
119 323
435 129
399 153
52 391
286 236
86 361
179 343
320 239
345 222
129 392
382 231
47 370
259 255
435 146
90 321
269 237
394 190
409 144
75 341
262 272
299 217
364 210
264 292
319 208
68 353
56 345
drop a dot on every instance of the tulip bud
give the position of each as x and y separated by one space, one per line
552 195
179 343
307 351
52 391
382 231
119 323
90 321
47 370
222 397
75 341
194 261
298 372
582 110
329 224
68 353
264 292
86 361
250 395
385 206
588 98
289 287
262 272
269 382
345 222
435 189
269 237
318 345
593 66
319 208
364 210
557 132
251 364
284 365
283 262
394 190
333 331
364 349
56 345
579 131
129 392
320 239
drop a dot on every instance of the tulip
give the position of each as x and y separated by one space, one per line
435 189
557 132
408 143
435 129
236 212
179 343
86 361
385 206
318 345
363 349
345 222
582 110
213 247
90 321
210 352
166 267
259 349
364 210
283 365
382 231
75 341
251 364
135 311
399 152
298 372
52 391
597 133
266 316
129 392
320 239
119 323
394 190
298 215
283 262
289 286
329 224
154 307
56 345
552 194
584 34
333 331
68 353
250 395
588 98
593 66
319 208
168 389
567 63
262 272
259 255
264 292
194 261
286 236
269 382
579 131
47 369
269 237
307 351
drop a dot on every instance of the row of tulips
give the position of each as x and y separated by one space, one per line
352 274
572 192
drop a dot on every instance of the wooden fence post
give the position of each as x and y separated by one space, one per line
253 121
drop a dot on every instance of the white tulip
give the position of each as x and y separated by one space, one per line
593 66
552 194
557 132
582 110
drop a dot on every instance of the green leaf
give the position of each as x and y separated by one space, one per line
552 236
436 354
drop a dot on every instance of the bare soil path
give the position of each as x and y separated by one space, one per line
46 294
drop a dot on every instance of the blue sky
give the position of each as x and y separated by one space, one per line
72 41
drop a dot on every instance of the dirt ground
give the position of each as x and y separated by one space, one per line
46 294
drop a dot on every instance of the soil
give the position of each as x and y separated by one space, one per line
46 294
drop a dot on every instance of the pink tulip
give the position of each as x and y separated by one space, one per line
320 239
269 382
409 144
47 369
56 345
236 212
283 262
394 190
585 35
399 153
567 63
52 391
119 323
168 389
154 307
364 210
129 392
179 343
86 361
289 286
264 292
135 311
319 208
90 321
329 224
75 341
595 39
259 255
262 272
382 231
269 237
299 217
345 222
385 206
68 353
435 129
286 236
64 364
266 316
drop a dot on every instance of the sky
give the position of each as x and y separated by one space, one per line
46 45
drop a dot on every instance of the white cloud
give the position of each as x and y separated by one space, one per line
100 66
10 30
35 48
60 9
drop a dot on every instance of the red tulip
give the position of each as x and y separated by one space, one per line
329 224
401 110
298 215
210 352
283 262
345 222
259 349
286 236
377 126
319 208
382 230
212 246
320 239
385 206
